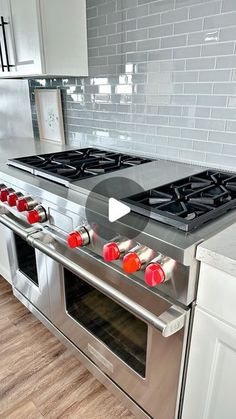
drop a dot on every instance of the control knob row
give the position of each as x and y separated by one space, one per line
36 213
157 269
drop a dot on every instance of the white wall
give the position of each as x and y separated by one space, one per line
15 112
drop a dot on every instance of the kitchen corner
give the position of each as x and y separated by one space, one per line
118 209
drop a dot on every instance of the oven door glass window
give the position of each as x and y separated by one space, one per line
26 259
123 333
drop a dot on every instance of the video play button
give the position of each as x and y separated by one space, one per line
117 210
108 214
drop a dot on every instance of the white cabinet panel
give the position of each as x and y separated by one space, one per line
25 36
4 262
22 37
44 37
211 377
64 37
216 293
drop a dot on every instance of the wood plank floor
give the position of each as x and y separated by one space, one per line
39 377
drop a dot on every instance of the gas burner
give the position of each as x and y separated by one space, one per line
72 165
189 202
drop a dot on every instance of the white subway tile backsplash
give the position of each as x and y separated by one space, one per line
148 45
226 48
227 34
185 76
208 147
222 137
190 154
126 25
161 30
215 160
136 12
212 100
194 134
187 52
173 41
137 35
210 124
228 5
106 8
232 101
216 75
226 62
220 21
200 63
224 113
163 54
161 5
225 88
211 8
187 3
183 99
198 88
231 126
174 16
126 4
148 21
162 80
190 26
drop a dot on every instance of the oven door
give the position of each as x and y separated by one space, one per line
133 335
28 265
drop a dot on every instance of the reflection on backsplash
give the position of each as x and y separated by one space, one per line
162 80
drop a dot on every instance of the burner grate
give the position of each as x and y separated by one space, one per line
189 202
70 166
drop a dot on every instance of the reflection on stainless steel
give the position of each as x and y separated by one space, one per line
132 334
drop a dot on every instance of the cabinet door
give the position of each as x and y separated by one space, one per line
3 14
23 36
211 376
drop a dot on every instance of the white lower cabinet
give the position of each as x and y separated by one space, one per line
211 377
4 262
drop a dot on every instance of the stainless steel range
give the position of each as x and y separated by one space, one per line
119 295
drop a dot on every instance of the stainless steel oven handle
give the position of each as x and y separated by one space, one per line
167 323
16 225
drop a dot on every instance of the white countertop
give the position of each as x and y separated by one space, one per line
220 251
11 148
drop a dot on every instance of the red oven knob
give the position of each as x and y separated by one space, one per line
115 249
26 204
111 252
136 259
4 194
78 238
13 197
154 274
131 263
37 215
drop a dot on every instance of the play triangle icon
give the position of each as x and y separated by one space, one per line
117 210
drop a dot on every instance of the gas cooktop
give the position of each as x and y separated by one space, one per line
69 166
188 203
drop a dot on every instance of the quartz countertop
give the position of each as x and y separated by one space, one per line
21 147
220 251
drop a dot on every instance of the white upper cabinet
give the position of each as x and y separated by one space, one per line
42 37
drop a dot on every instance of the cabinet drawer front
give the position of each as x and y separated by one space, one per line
216 293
